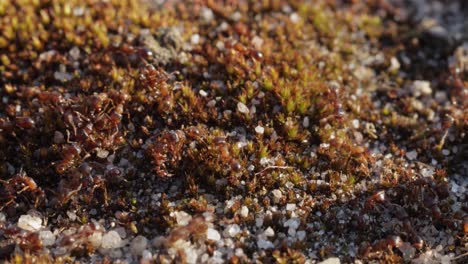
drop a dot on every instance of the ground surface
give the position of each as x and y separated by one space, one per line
240 131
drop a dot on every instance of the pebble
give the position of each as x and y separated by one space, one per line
269 232
264 244
290 207
294 17
331 261
394 65
355 123
258 222
62 76
305 122
259 130
422 88
301 235
412 155
75 53
138 245
292 223
117 253
30 223
244 212
102 153
407 251
257 42
95 239
182 218
146 254
2 217
232 230
277 195
242 108
111 240
212 234
158 241
47 238
207 14
195 39
121 231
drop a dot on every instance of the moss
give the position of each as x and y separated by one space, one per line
101 99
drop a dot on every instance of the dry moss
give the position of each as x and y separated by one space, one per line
102 99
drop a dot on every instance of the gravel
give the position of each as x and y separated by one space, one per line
111 240
30 223
320 217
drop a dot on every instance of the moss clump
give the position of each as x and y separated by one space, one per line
286 104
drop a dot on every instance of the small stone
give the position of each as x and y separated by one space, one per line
239 252
412 155
236 16
264 161
257 42
259 130
264 244
2 217
244 212
116 254
294 17
276 195
269 232
62 75
292 232
301 235
195 39
75 53
292 223
158 241
211 103
305 122
422 88
182 218
71 215
203 93
446 259
47 238
394 65
146 254
30 223
290 207
212 234
121 231
138 244
102 153
355 123
407 251
78 11
259 222
242 108
95 239
232 230
331 261
427 172
207 14
111 240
